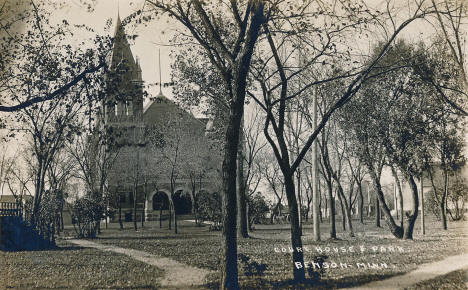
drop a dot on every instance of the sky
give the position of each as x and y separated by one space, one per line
150 39
155 36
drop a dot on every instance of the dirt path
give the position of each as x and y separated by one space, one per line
176 275
424 272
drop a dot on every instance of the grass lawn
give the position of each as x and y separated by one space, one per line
80 268
457 280
76 268
387 256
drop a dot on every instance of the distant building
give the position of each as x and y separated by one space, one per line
427 187
10 202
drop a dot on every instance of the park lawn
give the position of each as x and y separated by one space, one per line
199 247
76 268
456 280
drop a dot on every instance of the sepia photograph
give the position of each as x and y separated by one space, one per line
234 144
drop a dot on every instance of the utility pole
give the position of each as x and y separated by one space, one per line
315 179
395 204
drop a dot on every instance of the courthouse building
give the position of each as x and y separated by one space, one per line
132 123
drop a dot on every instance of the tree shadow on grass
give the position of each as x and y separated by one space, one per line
129 238
346 282
262 283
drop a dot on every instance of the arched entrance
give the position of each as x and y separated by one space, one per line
160 201
182 202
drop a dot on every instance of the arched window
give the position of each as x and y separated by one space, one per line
126 107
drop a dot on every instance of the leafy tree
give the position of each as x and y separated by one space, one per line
281 80
403 126
277 77
458 197
232 60
448 146
43 66
209 207
31 44
87 214
258 208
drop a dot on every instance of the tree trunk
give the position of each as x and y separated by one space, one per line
169 208
361 204
120 214
377 213
332 211
61 219
347 208
299 199
250 222
135 225
242 229
175 220
393 227
296 239
160 213
237 87
144 206
343 215
400 194
316 200
411 217
326 208
229 261
443 202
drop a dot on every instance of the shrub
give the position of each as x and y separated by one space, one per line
208 207
258 208
87 214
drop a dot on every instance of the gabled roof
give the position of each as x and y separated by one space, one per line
160 109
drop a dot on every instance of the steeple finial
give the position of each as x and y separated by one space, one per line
160 81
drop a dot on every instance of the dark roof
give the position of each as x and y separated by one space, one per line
161 109
11 198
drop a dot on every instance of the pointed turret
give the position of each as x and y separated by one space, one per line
124 80
122 57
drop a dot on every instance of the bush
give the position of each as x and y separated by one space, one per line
47 219
208 208
258 208
87 214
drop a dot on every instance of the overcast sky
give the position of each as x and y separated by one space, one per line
156 35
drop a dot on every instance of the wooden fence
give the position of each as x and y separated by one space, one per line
9 209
